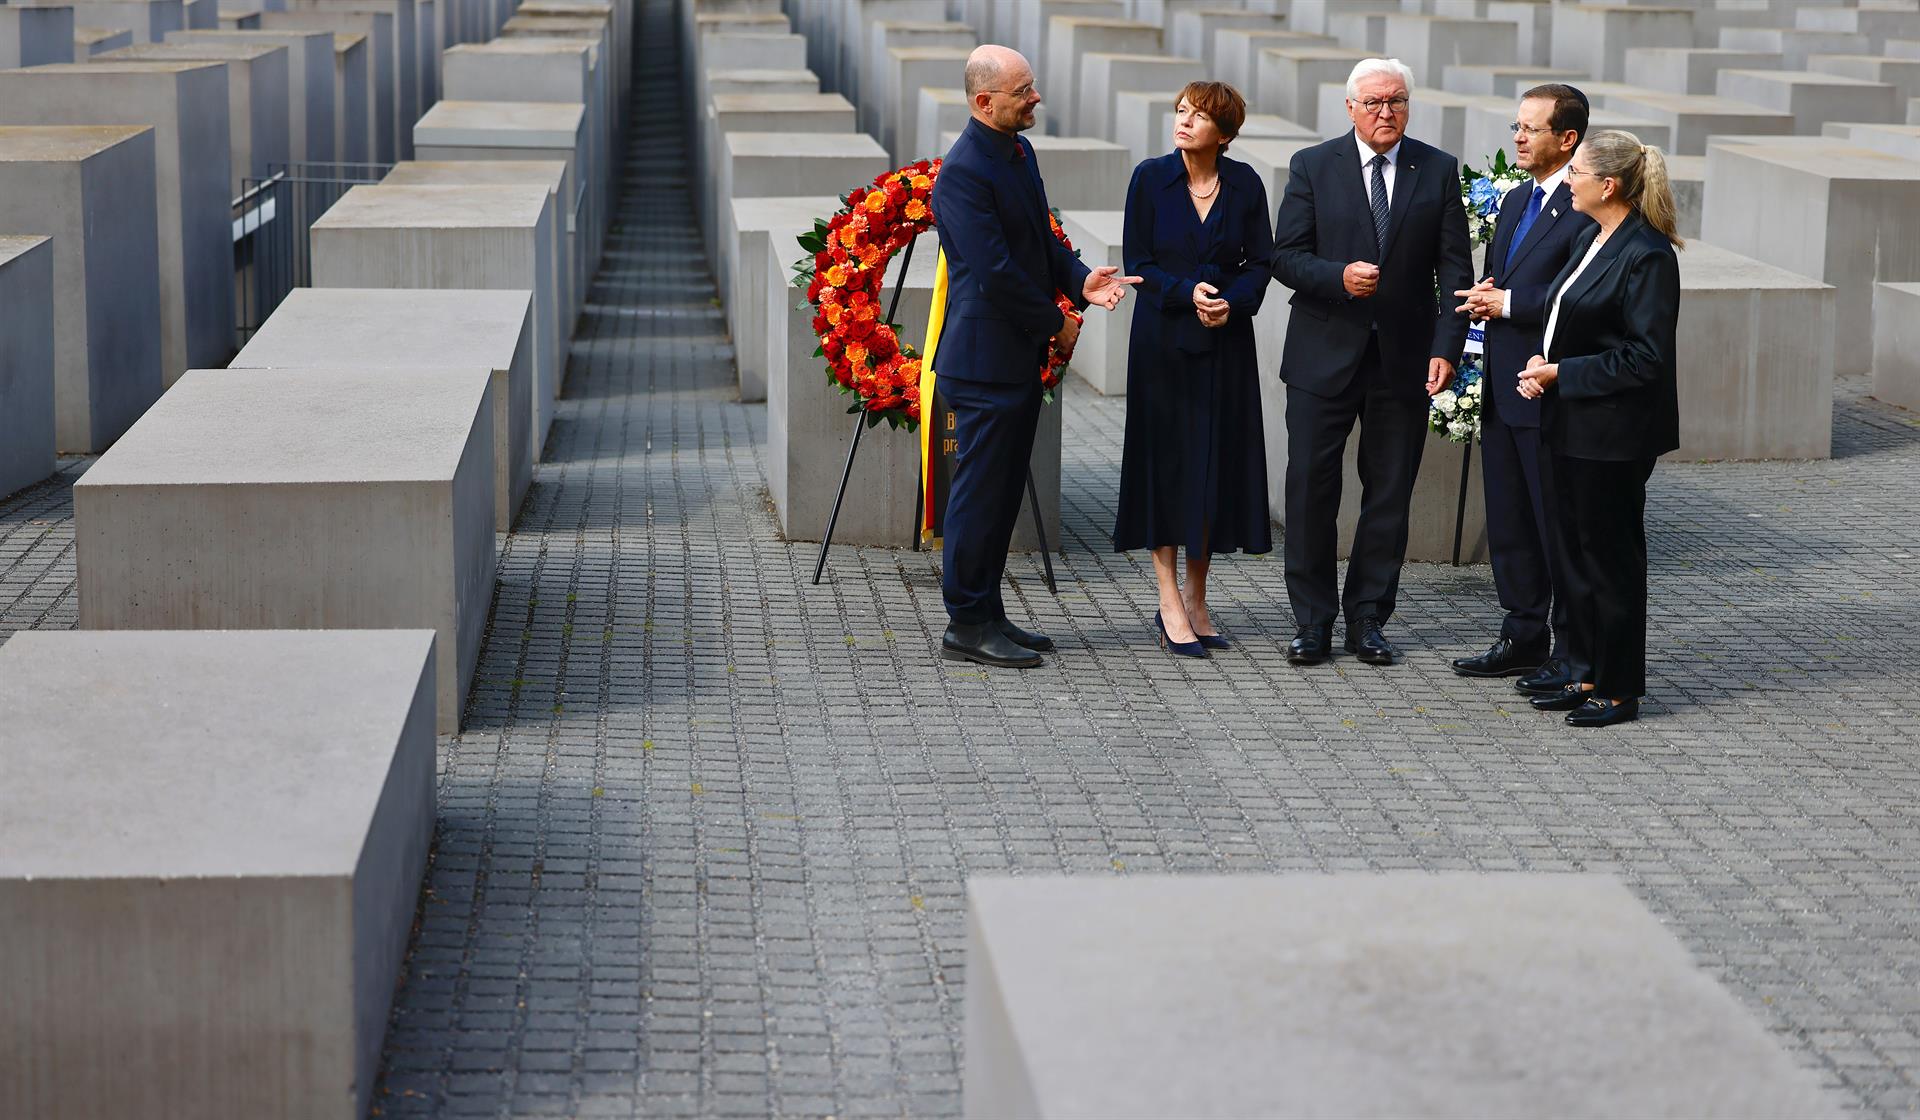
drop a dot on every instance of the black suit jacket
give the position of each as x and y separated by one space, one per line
1617 398
1003 261
1537 263
1326 223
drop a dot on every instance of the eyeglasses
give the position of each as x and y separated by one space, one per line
1517 128
1393 105
1021 92
1572 171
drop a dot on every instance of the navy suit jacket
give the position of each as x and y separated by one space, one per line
1541 256
1003 261
1326 222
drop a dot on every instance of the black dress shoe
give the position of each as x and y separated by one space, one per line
1547 680
985 644
1602 713
1365 640
1310 645
1565 700
1030 639
1503 660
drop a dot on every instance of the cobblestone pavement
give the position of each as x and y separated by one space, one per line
702 846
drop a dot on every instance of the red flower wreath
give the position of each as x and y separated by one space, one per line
845 283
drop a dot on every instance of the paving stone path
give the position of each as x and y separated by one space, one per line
701 848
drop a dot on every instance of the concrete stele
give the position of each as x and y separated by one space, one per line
1896 344
35 36
211 848
310 73
259 95
26 361
308 499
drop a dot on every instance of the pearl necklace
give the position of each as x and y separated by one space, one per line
1210 191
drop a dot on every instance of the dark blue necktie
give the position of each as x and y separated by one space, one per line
1526 223
1379 192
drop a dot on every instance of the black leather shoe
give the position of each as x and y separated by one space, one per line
985 644
1503 660
1565 700
1547 680
1310 645
1365 640
1601 713
1030 639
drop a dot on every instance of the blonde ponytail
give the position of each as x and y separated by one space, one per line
1641 171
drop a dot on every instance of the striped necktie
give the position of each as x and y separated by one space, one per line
1379 191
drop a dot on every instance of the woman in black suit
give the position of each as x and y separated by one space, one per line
1193 471
1607 378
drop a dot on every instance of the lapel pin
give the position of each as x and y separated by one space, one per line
1555 213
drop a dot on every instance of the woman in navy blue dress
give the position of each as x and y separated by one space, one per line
1193 473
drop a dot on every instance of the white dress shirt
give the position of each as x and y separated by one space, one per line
1366 168
1553 315
1548 185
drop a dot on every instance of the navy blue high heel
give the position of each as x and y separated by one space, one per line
1214 641
1182 649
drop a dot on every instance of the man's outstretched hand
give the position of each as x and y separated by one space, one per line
1105 287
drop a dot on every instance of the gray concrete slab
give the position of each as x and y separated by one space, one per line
185 103
35 36
420 328
1429 44
897 88
1896 344
312 135
1407 994
1104 76
353 138
259 99
1502 80
1595 38
1290 78
1690 119
402 40
1813 99
890 108
1101 354
383 83
211 848
1794 45
1903 74
1236 50
1191 31
1069 40
761 250
91 41
26 361
1079 173
489 236
1693 70
321 498
88 187
147 20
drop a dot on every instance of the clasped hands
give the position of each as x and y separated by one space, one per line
1361 280
1213 312
1538 377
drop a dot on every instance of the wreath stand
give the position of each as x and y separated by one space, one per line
853 448
1459 513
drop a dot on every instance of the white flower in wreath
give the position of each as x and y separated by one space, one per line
1447 401
1474 389
1458 429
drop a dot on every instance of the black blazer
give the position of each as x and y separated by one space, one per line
1537 263
1003 261
1616 398
1326 222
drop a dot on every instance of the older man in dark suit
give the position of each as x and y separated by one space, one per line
1371 222
1531 242
1003 267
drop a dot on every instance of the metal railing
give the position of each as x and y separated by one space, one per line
272 223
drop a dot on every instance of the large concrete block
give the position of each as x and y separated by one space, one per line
1356 994
1032 25
908 71
1359 30
891 107
1290 78
1691 118
259 87
853 41
1435 116
1688 177
1236 50
1430 44
185 103
1142 124
1793 45
211 848
1901 140
808 430
383 83
808 164
734 51
1315 15
1534 20
310 76
762 231
1079 174
492 236
147 20
1595 38
314 499
91 41
353 138
402 42
1101 354
1756 345
26 361
1813 99
945 110
766 83
1069 40
748 112
1896 344
1103 76
1903 74
1193 28
35 36
1876 25
90 189
1503 80
1824 209
422 328
543 131
1694 70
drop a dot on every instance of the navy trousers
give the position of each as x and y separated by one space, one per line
994 426
1518 478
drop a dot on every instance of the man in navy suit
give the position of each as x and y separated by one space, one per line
1370 223
1003 267
1532 240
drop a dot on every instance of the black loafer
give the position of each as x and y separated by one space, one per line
1365 641
1028 639
1565 700
1310 645
1504 659
1547 680
985 645
1602 713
